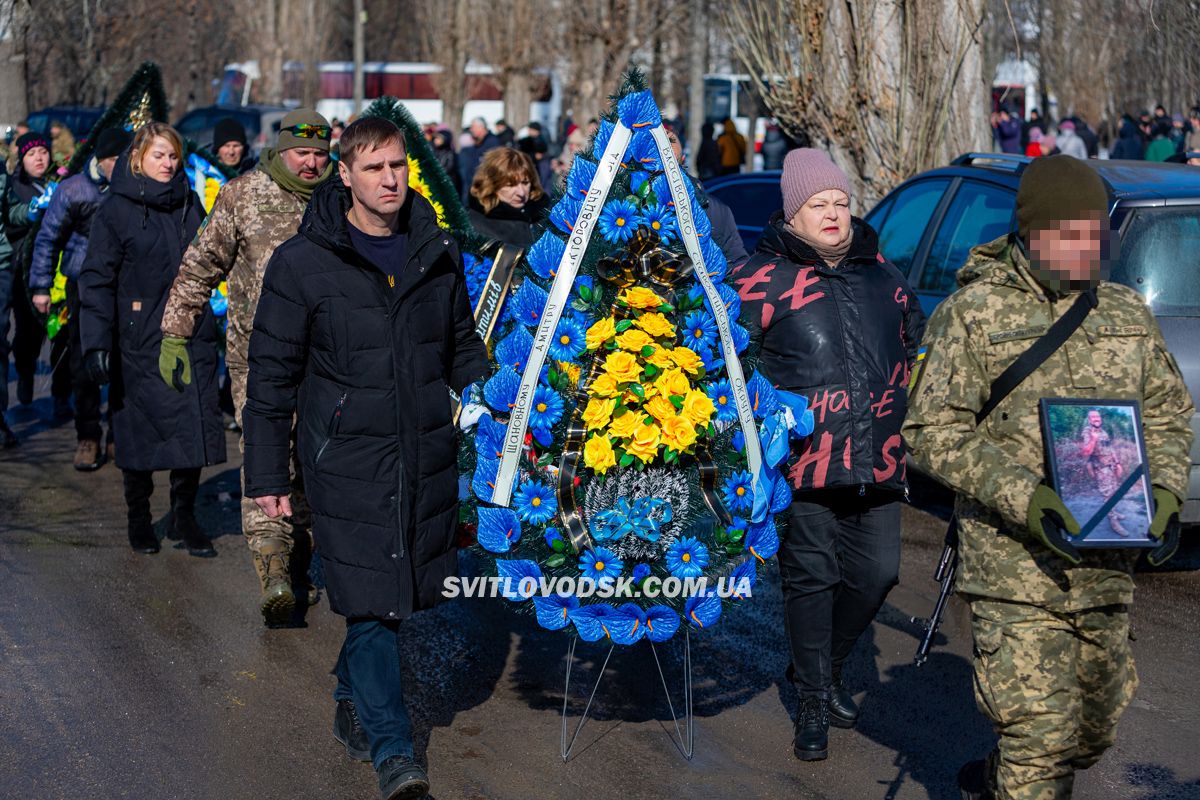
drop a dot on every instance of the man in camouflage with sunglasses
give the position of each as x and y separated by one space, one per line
253 214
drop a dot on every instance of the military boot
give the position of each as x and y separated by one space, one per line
301 562
812 729
972 781
843 711
278 600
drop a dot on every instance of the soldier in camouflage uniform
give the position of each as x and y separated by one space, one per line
1053 666
1103 466
253 214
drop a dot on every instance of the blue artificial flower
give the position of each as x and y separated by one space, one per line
498 530
483 482
546 411
721 395
590 621
551 535
581 282
527 304
626 624
489 437
535 503
781 495
741 338
579 179
702 222
715 263
638 110
618 221
544 255
711 359
600 564
729 299
569 340
553 612
643 151
517 571
662 221
513 350
641 572
637 517
746 571
738 441
662 190
661 623
699 330
739 492
703 610
762 539
600 140
763 397
475 270
565 213
500 392
637 180
687 557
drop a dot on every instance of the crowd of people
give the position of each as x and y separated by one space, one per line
347 432
1156 136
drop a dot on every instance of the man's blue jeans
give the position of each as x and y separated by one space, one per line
368 672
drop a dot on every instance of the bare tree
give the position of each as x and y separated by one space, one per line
513 44
893 87
448 41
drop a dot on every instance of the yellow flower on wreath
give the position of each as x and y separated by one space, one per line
634 340
672 382
678 433
605 385
600 332
643 444
572 371
697 408
624 425
598 413
623 366
686 359
661 358
598 454
641 297
656 325
660 408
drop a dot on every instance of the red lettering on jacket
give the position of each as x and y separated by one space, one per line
804 279
880 409
889 460
818 458
846 453
828 402
746 284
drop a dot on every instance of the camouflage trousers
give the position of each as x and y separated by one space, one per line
1054 686
282 535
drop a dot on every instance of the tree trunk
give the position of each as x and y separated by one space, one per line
518 94
697 60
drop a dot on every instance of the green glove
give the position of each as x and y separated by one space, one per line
1047 518
1164 527
173 363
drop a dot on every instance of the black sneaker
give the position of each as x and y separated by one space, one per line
812 729
843 711
972 781
349 731
402 778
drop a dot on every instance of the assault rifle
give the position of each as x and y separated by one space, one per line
946 569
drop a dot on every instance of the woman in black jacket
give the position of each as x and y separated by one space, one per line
506 197
841 327
138 237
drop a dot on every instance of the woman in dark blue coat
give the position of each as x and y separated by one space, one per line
137 241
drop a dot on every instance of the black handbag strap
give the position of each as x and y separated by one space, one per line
1038 352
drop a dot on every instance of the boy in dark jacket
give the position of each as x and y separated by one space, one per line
362 326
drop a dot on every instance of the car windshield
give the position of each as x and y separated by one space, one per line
1160 257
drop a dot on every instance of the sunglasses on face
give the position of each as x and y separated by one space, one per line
308 131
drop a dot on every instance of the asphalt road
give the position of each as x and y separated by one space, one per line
131 676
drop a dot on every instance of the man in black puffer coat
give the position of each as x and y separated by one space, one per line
363 325
841 327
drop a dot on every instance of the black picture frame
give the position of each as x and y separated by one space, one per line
1099 470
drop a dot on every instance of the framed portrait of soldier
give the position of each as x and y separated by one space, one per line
1096 462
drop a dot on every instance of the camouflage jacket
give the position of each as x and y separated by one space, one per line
252 216
1117 353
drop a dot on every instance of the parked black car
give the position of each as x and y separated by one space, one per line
261 123
78 119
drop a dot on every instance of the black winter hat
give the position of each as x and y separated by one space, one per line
28 141
228 130
112 142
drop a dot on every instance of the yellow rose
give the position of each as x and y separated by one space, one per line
598 413
672 382
661 358
697 407
605 385
656 325
678 433
687 360
660 408
623 366
643 444
572 371
634 340
601 332
641 297
598 454
624 425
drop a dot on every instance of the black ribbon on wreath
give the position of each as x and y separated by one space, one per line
644 260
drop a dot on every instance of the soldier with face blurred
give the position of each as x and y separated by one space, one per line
1053 667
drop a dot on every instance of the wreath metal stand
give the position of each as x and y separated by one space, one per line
683 739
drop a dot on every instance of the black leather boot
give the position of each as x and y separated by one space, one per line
185 485
843 711
349 731
138 488
812 729
972 781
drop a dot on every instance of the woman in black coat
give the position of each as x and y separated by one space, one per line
138 237
841 327
506 197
